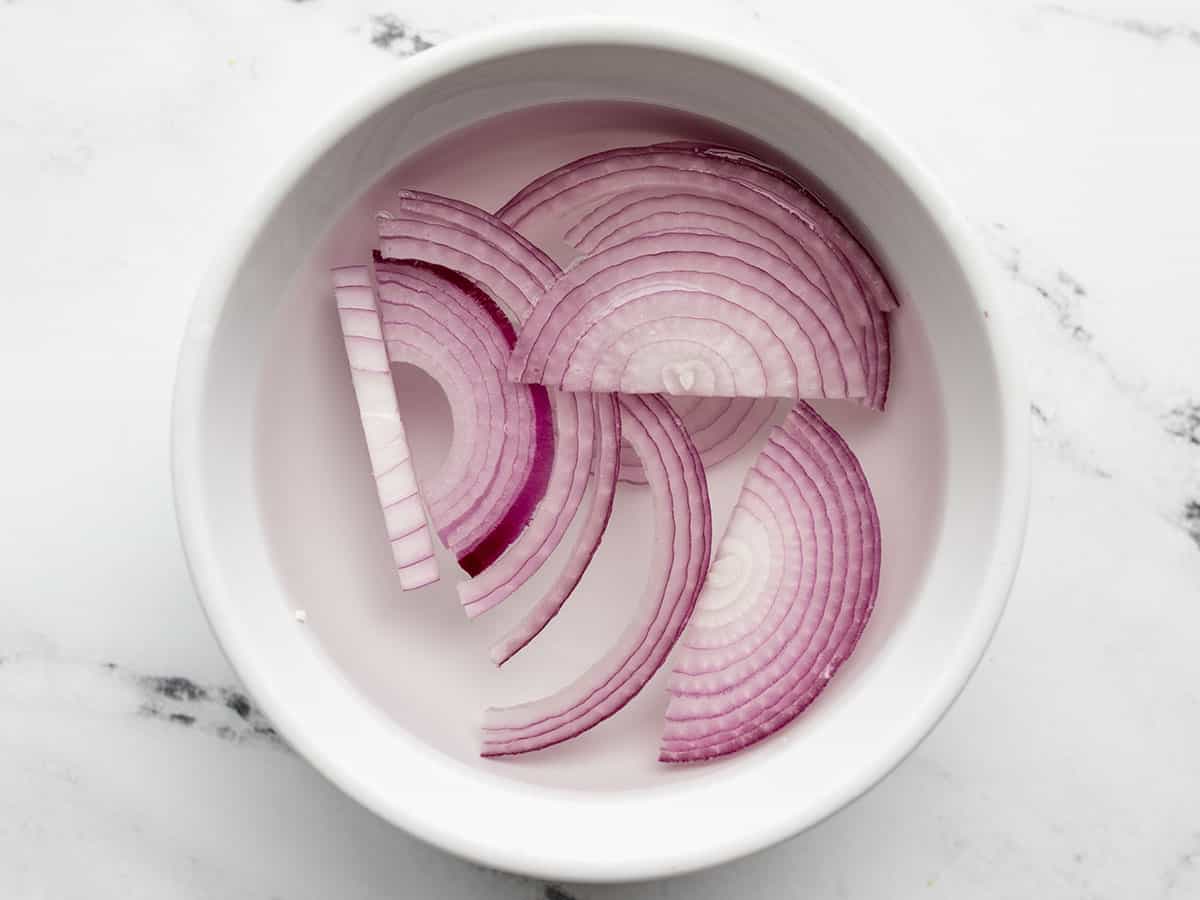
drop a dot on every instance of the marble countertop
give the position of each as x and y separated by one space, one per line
132 765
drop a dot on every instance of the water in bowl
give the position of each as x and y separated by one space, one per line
415 656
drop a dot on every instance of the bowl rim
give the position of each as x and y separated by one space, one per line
495 43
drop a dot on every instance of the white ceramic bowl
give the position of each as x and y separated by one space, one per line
381 692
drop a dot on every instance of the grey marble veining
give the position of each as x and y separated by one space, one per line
132 134
1143 28
389 33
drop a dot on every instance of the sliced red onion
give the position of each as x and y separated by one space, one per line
646 212
877 350
599 176
800 338
473 220
494 259
810 207
387 446
786 600
504 264
684 187
641 213
448 326
606 463
574 427
683 529
719 426
503 279
458 375
598 205
468 240
707 275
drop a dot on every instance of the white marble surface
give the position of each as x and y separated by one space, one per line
132 132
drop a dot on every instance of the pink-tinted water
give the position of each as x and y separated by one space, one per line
414 655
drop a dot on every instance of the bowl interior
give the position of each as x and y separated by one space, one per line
415 656
383 690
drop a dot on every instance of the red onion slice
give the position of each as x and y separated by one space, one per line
641 213
593 203
387 446
503 264
461 344
473 220
810 352
644 212
683 529
786 600
504 280
445 324
809 206
574 427
606 462
532 477
548 198
877 349
493 259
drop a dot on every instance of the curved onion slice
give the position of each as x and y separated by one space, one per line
504 264
606 463
445 324
696 197
638 213
799 338
786 600
420 322
877 350
391 463
507 282
687 187
719 427
770 227
573 438
683 529
470 241
582 184
587 431
481 224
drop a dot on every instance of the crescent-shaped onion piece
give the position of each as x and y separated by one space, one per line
559 195
688 313
683 535
473 220
587 430
877 351
683 187
606 463
637 214
786 600
504 265
503 446
387 446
